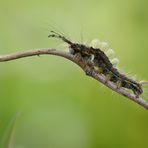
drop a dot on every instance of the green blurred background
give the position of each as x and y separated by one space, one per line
61 107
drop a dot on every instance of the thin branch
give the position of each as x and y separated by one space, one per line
80 62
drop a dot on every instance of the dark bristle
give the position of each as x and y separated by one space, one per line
51 35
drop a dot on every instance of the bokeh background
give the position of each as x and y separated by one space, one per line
60 107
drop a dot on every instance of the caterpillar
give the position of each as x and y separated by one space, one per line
100 61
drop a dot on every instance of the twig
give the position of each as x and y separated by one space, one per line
86 68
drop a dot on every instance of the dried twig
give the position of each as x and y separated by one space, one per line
86 68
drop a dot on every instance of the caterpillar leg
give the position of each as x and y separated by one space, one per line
108 77
98 69
88 73
77 56
89 60
137 94
119 84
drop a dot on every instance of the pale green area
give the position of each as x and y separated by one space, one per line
61 107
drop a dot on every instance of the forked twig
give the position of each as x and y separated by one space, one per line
86 68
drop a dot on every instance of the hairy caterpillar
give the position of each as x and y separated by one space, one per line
100 61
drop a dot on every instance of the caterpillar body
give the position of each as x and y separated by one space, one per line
100 61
